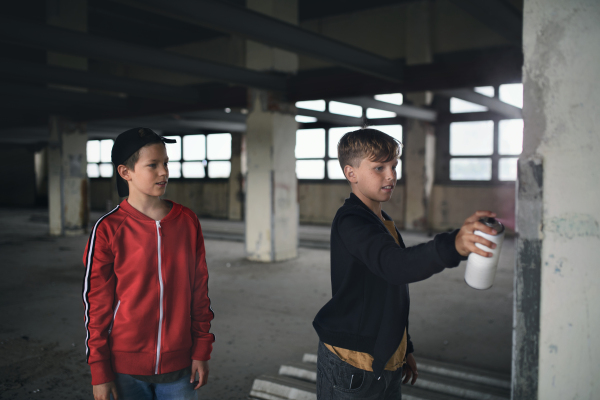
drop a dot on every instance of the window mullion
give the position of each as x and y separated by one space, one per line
495 154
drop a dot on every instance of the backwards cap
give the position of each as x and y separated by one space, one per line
126 144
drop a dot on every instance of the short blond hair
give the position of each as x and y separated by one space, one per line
369 143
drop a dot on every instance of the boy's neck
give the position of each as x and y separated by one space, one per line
374 206
151 206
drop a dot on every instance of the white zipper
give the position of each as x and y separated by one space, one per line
160 318
114 317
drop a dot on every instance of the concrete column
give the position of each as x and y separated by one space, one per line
68 188
68 200
557 301
419 136
235 179
41 176
271 212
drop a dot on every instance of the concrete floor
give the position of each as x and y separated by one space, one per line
263 313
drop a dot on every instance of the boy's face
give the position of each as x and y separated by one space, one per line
151 173
373 181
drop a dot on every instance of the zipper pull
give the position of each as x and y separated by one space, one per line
158 227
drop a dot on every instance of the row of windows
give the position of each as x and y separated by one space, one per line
192 156
474 146
198 156
350 110
510 93
316 151
471 142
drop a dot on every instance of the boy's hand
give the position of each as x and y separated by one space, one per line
104 390
466 238
409 370
202 368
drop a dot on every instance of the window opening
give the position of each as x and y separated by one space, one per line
485 90
393 98
98 153
458 106
315 105
316 151
193 156
512 93
375 113
350 110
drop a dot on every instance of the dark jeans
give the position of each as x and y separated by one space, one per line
338 380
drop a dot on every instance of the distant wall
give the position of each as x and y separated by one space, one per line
451 204
208 199
320 201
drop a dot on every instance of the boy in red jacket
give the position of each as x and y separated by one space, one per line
145 290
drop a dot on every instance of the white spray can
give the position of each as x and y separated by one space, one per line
481 270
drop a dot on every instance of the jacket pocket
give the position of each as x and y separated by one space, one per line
114 317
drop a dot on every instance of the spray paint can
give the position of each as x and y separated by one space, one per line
481 270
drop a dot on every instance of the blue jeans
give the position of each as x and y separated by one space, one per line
338 380
129 388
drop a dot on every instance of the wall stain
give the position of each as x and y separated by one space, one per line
572 225
553 348
558 266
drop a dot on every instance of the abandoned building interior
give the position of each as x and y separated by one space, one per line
495 103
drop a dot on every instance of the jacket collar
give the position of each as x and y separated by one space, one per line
128 208
354 200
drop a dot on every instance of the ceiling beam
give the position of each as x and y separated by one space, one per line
166 124
67 41
27 96
455 70
493 104
496 15
274 32
49 74
403 110
325 116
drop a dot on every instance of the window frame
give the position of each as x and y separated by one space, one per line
324 125
100 178
205 160
442 173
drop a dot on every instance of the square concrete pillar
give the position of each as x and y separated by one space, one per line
235 179
68 200
419 136
271 195
271 202
556 345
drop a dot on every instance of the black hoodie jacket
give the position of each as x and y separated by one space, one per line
370 273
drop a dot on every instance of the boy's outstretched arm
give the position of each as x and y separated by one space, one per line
466 238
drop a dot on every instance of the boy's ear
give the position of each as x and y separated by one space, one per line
124 172
350 174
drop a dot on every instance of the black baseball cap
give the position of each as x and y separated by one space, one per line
126 144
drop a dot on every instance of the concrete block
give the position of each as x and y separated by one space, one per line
475 375
309 358
460 388
304 371
282 388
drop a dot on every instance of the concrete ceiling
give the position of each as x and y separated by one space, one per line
122 32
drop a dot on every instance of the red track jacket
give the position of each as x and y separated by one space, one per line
145 294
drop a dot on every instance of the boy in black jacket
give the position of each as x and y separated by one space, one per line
365 349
